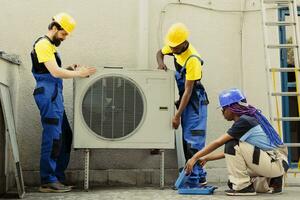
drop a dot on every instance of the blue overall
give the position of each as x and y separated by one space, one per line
193 121
57 134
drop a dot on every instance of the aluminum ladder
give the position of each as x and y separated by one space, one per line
272 94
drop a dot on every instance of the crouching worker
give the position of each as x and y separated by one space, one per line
254 158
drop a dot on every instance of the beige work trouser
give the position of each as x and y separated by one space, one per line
241 167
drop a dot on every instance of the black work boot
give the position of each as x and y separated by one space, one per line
247 191
275 185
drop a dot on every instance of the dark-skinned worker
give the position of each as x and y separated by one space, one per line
48 94
256 160
193 101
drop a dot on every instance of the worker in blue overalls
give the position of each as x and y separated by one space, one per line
48 94
192 104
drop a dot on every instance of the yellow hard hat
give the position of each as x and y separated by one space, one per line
65 21
176 35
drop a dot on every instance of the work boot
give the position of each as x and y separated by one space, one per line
247 191
275 185
70 186
54 188
202 181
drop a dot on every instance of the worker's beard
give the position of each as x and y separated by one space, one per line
56 41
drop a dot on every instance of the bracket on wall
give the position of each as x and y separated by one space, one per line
12 58
87 165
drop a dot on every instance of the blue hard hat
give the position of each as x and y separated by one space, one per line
228 97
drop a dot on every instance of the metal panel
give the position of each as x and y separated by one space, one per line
10 125
2 154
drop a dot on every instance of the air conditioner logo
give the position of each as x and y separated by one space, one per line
163 108
114 109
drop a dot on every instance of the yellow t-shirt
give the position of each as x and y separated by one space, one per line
45 50
193 66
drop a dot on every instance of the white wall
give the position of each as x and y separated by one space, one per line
107 34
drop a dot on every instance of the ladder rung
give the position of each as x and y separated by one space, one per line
284 69
282 46
291 145
280 23
285 94
287 119
278 1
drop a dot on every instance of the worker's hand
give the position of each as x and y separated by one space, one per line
202 161
86 71
189 165
175 122
162 66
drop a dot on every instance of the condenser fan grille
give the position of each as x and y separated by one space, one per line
113 107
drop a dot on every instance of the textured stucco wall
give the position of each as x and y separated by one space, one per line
108 35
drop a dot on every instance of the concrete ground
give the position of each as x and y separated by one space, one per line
150 193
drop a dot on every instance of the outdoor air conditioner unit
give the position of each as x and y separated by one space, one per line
124 108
